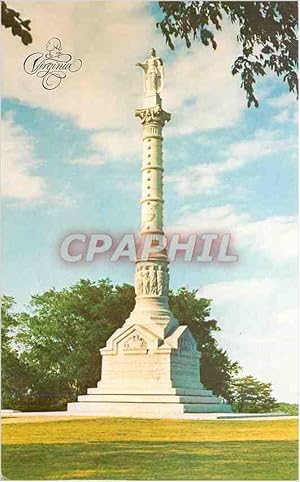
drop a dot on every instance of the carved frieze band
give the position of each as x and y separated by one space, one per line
152 280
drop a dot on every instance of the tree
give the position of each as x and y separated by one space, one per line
60 337
288 408
15 374
11 19
267 34
252 396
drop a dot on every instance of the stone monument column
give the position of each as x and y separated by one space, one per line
152 275
151 365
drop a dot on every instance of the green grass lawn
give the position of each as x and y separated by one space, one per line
111 448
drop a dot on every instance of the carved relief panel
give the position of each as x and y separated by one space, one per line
186 343
134 342
152 279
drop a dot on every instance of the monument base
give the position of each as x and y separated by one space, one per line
150 406
142 410
149 372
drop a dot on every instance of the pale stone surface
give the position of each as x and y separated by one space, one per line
150 366
143 409
153 78
144 374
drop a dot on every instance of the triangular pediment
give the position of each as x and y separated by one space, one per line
132 342
129 339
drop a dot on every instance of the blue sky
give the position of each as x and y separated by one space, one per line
72 164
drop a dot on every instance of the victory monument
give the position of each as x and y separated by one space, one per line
150 366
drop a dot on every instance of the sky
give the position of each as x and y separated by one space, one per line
72 158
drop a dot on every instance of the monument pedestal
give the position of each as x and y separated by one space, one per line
149 374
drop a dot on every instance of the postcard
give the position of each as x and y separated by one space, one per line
150 279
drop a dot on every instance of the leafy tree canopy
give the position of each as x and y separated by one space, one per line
267 34
11 19
16 376
288 408
250 395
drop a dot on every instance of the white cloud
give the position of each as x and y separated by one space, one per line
213 219
207 177
283 101
19 182
63 198
258 317
247 290
93 159
119 144
287 317
287 106
112 145
201 91
275 237
110 37
202 178
282 117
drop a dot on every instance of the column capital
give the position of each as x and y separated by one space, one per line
152 115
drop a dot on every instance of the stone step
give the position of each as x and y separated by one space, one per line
207 408
137 398
145 410
131 390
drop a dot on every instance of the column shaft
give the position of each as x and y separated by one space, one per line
152 181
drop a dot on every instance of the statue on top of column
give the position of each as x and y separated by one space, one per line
153 74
